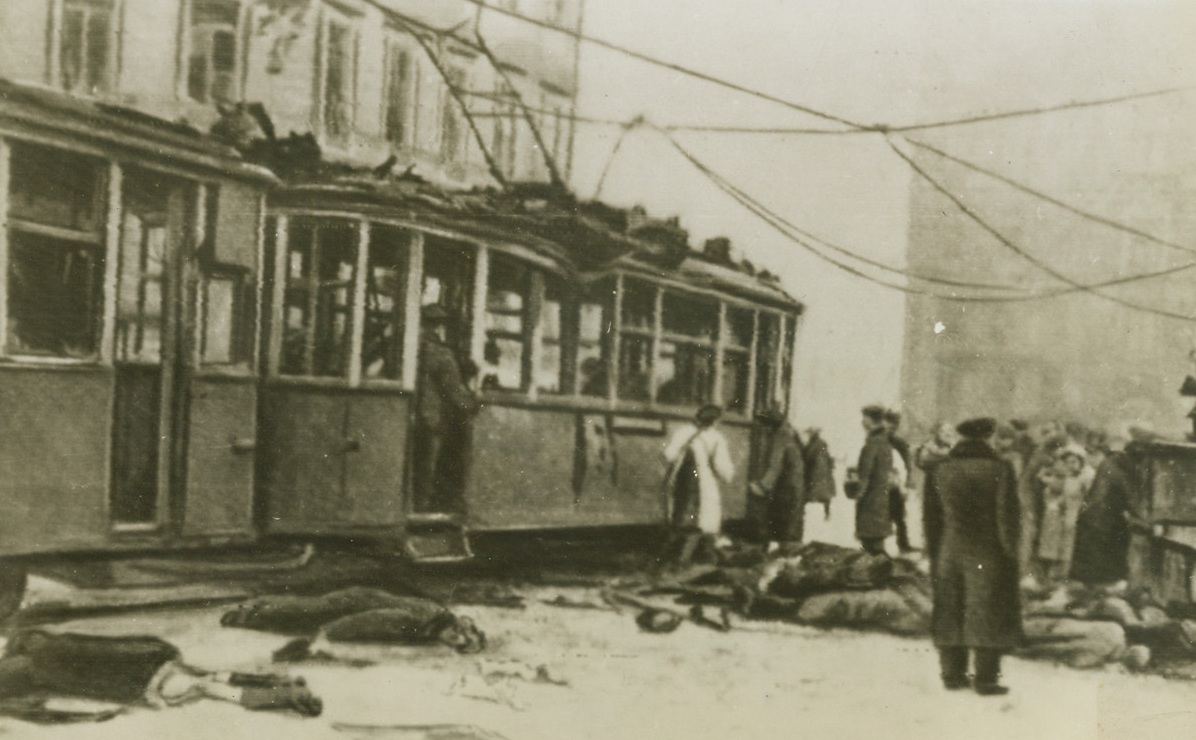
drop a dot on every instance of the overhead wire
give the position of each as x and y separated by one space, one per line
786 228
1009 244
1052 200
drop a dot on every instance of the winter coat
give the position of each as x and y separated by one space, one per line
1102 531
820 471
872 520
971 525
711 463
444 399
783 483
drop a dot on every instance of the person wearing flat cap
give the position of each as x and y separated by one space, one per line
870 489
781 487
972 527
444 405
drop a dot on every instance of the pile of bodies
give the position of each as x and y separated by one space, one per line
827 586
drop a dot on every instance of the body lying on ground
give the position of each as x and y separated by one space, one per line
38 665
357 615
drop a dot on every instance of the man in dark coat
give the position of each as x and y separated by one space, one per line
820 471
1101 554
782 485
443 404
874 470
897 490
972 527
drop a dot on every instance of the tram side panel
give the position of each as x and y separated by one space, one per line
54 458
541 468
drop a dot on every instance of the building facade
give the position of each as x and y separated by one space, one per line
1076 356
368 78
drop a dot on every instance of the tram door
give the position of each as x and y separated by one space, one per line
181 448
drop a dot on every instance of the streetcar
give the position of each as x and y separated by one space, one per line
196 355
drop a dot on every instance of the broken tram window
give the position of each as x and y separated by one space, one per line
56 253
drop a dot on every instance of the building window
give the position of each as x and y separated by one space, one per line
400 97
385 297
685 375
214 54
452 119
56 253
737 349
505 129
320 270
340 72
505 351
85 46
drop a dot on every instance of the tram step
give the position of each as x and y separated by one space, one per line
437 539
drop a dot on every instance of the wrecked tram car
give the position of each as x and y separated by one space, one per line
196 355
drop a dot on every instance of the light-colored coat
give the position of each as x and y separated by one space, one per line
712 461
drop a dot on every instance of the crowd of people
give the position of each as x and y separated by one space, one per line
1009 511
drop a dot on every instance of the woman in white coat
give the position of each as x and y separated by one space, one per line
698 459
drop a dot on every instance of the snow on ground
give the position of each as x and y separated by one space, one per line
762 680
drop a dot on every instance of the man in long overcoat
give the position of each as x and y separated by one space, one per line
872 518
782 484
972 528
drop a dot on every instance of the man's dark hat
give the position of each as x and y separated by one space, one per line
433 313
709 414
772 416
893 415
875 412
977 428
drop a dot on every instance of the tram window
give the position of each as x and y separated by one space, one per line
639 306
448 283
593 331
55 252
685 374
319 290
766 360
385 289
635 341
506 304
737 359
220 335
54 296
139 290
550 370
787 358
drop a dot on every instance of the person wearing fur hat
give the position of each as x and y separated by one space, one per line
972 526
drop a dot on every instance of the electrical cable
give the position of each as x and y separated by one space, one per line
1043 266
1049 199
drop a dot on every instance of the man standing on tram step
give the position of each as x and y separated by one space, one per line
443 401
972 526
872 519
897 491
698 458
782 485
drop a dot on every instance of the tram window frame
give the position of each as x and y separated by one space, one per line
686 337
737 352
602 296
767 348
637 330
555 293
237 340
309 286
43 229
498 324
399 240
